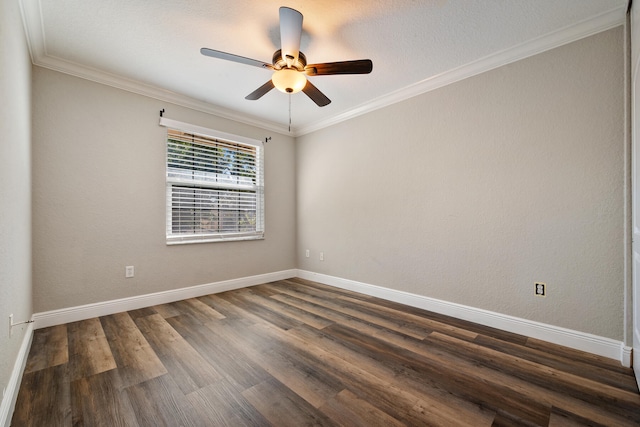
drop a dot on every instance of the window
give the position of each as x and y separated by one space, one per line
215 189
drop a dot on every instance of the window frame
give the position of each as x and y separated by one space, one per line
173 181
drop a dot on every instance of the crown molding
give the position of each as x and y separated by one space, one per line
32 20
36 40
569 34
154 92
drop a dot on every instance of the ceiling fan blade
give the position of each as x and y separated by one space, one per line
260 92
360 66
235 58
315 95
290 34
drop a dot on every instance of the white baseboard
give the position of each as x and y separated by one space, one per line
635 355
83 312
594 344
11 393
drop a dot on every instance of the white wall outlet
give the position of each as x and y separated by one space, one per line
540 289
321 256
307 253
129 271
10 325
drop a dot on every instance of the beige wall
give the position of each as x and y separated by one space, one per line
15 184
472 192
99 198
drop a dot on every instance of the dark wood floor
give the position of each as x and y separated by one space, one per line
296 353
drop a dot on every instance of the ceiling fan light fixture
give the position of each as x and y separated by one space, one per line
289 80
290 65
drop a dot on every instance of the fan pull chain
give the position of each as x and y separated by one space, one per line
289 112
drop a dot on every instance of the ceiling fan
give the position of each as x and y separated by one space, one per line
290 66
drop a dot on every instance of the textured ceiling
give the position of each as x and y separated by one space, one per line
152 47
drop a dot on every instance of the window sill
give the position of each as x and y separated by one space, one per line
184 240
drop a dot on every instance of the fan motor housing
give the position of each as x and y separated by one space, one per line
280 63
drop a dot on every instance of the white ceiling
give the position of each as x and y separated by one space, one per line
152 47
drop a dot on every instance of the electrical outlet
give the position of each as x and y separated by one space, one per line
540 289
129 271
10 325
307 253
321 256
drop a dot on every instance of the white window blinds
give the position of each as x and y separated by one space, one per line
215 187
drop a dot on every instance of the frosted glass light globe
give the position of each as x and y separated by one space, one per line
288 80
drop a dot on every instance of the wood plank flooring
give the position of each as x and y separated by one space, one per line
297 353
